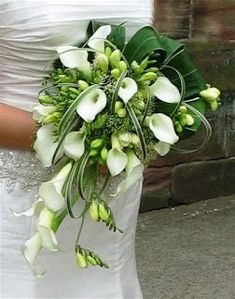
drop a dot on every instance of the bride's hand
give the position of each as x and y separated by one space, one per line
17 128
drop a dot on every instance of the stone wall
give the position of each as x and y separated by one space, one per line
207 28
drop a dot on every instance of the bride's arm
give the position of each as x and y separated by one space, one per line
17 128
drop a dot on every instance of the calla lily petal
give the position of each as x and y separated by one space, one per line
32 248
74 57
51 191
128 89
44 227
162 148
36 208
73 145
162 127
116 161
96 41
134 175
40 111
45 145
133 161
165 91
92 104
48 238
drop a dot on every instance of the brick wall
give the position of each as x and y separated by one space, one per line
207 28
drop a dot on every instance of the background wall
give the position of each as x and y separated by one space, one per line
207 28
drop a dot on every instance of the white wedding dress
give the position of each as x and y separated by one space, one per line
30 30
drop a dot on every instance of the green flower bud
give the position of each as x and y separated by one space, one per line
45 99
189 119
122 66
103 212
91 260
124 139
178 127
118 105
93 210
74 91
210 94
183 120
102 62
140 69
97 143
148 77
52 117
214 105
108 51
81 260
121 112
93 153
183 109
135 139
104 153
140 105
83 84
115 73
115 58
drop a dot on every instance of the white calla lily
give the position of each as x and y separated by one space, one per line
72 57
44 227
133 161
45 145
165 91
40 111
74 145
31 249
92 104
162 127
128 89
116 161
51 191
134 172
96 41
162 148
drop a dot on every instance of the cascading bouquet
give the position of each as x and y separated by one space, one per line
107 108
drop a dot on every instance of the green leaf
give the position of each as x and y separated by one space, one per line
143 43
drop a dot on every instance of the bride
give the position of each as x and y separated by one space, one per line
30 31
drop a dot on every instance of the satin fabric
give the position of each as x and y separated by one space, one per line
30 31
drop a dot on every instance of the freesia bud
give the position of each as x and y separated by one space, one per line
214 105
115 58
108 51
148 77
93 210
102 62
115 73
122 66
210 94
83 84
189 119
103 213
97 143
104 153
183 109
118 105
121 112
81 260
